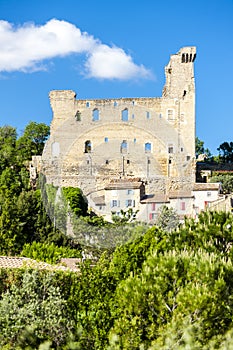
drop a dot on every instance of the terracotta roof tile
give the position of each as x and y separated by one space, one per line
155 198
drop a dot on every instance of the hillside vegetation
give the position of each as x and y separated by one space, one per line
159 289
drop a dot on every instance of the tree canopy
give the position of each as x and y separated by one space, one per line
165 287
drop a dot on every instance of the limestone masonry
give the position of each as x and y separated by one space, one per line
128 152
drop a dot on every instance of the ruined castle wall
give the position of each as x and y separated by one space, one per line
166 125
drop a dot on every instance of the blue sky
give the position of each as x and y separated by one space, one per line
111 49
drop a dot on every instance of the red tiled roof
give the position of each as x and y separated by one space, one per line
155 198
180 194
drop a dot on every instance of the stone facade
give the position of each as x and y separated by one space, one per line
95 143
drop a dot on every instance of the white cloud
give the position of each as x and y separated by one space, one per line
26 47
113 63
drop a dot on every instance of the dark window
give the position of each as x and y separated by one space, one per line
170 148
115 203
130 203
78 116
87 146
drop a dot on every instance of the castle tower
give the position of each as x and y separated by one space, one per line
180 74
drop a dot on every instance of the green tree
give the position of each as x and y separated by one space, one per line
32 141
200 149
33 312
8 138
49 253
77 202
173 286
226 182
167 218
10 182
226 152
125 216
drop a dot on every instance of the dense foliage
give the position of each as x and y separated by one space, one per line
168 288
164 290
226 181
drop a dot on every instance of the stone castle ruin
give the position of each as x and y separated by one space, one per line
129 152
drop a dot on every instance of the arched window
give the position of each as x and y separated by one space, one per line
148 147
87 146
124 115
95 115
183 58
124 146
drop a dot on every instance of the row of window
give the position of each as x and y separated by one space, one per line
187 57
115 104
125 115
123 146
155 206
128 203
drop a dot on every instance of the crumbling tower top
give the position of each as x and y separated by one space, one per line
180 73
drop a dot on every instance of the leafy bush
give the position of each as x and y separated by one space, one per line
49 253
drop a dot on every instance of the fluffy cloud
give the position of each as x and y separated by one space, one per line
113 62
26 48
